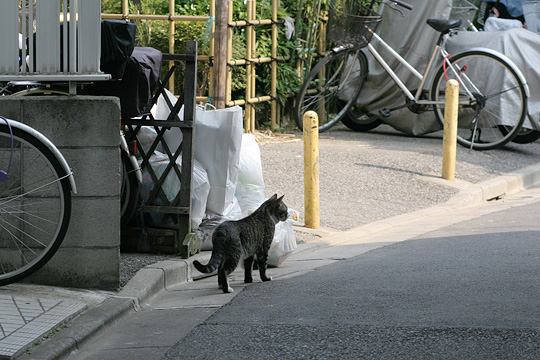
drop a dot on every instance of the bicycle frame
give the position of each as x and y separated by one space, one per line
466 84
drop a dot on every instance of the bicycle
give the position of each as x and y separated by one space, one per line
36 184
131 176
487 79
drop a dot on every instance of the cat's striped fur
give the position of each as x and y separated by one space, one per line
246 238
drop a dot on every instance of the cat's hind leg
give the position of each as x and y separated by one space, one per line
225 269
222 281
248 266
261 262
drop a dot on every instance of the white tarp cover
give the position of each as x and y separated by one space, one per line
413 39
522 47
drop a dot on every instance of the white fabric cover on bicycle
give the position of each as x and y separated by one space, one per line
523 48
414 40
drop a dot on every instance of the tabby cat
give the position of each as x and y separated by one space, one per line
246 238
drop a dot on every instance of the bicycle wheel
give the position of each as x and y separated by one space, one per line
35 204
359 120
525 136
331 87
499 99
130 190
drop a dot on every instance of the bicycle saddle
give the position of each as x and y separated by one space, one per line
444 26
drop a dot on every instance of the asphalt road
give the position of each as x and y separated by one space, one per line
469 291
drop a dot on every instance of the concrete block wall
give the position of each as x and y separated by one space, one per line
86 130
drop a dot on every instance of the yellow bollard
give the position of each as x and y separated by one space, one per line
311 170
450 129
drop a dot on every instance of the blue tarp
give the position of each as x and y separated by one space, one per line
513 6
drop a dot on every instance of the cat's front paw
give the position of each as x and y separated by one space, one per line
248 280
266 278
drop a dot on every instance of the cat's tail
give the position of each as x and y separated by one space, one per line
212 265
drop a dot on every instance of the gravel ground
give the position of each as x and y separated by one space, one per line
131 263
365 177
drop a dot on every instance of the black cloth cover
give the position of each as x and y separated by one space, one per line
137 85
117 44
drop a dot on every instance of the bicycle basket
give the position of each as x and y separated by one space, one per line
463 10
352 22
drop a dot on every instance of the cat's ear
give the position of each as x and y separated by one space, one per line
273 198
281 198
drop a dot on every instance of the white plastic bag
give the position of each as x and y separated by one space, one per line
200 187
218 137
250 186
283 245
212 220
146 136
161 111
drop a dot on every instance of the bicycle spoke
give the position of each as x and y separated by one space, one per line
34 204
34 190
502 92
21 252
17 242
28 222
23 232
325 84
494 119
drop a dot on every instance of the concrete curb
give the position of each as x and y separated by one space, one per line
156 277
500 186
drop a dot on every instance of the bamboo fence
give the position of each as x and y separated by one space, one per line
250 61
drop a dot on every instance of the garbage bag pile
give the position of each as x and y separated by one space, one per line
227 181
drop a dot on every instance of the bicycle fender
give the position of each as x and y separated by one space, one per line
510 63
132 159
50 146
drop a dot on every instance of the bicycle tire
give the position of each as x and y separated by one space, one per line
525 136
130 190
322 93
359 120
479 123
27 207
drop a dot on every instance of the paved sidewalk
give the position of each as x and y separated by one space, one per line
375 184
24 319
31 312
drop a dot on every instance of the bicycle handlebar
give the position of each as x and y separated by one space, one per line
401 3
